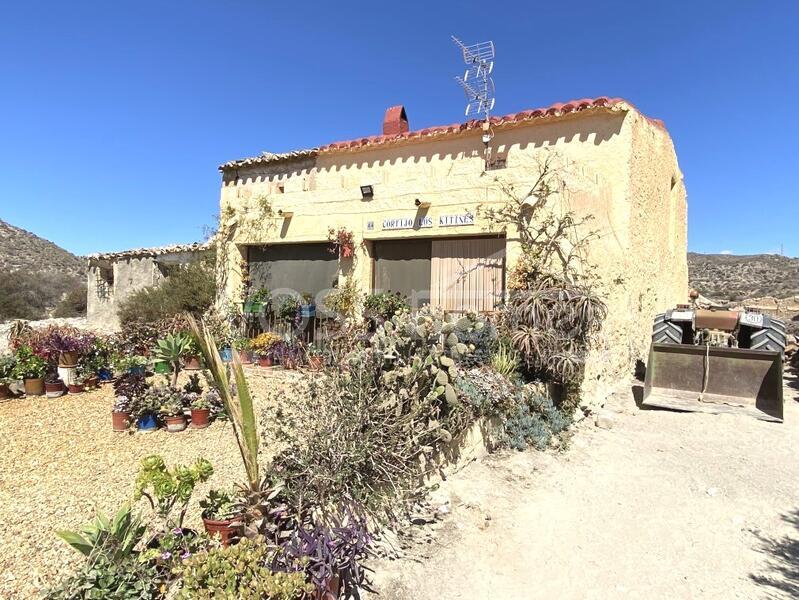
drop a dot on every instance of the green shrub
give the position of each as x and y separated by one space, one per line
26 295
239 571
102 578
532 422
73 304
189 288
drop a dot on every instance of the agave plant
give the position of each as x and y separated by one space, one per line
171 349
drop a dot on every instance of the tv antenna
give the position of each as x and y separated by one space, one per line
476 81
478 86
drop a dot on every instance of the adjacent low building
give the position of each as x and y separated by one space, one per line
114 276
414 203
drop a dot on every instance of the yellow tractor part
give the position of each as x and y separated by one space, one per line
715 380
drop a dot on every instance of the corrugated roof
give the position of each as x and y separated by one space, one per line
159 251
558 109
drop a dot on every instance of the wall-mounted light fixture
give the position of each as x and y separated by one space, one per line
421 203
285 214
367 192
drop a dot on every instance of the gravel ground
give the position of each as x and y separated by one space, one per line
61 461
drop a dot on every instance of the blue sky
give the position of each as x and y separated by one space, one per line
115 115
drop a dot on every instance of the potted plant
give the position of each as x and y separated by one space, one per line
54 386
67 343
146 408
135 364
342 242
171 410
171 349
316 357
263 347
307 306
31 369
7 364
120 413
200 411
221 510
290 310
257 302
129 390
191 362
77 386
243 346
290 356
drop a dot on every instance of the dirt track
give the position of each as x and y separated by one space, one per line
664 505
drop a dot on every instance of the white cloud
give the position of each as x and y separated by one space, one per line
726 252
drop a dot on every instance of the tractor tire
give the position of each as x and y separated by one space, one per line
666 332
771 337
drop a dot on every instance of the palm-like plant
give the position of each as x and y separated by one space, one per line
171 349
235 396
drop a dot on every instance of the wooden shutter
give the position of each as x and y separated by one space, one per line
467 274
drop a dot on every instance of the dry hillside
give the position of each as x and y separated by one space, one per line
22 250
729 277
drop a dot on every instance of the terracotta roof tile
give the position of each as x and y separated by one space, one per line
555 110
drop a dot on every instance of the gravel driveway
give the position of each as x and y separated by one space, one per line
60 460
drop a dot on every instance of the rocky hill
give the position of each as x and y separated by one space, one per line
727 277
22 250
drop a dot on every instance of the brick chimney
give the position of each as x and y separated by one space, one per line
395 121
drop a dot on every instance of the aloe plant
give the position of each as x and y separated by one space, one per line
235 396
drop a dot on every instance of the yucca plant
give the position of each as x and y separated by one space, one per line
505 359
235 396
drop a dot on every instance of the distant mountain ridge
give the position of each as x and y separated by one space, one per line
23 250
729 277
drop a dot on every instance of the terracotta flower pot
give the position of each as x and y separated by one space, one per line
34 387
92 382
68 360
76 388
120 420
5 391
226 531
54 389
200 417
289 363
192 363
246 357
175 424
315 363
332 591
265 361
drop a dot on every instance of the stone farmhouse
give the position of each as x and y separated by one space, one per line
114 276
414 203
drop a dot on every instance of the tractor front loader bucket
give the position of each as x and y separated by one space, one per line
715 380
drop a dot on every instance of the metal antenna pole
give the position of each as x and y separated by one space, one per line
478 85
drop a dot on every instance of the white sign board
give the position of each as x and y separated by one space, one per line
455 220
407 223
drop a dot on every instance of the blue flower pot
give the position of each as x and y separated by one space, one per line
105 374
226 354
136 370
147 423
308 310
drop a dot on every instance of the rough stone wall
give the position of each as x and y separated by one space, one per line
611 161
130 275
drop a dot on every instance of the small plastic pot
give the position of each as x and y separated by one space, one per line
200 417
106 374
226 354
175 424
34 387
120 421
76 388
136 370
246 357
147 423
265 361
162 368
92 382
